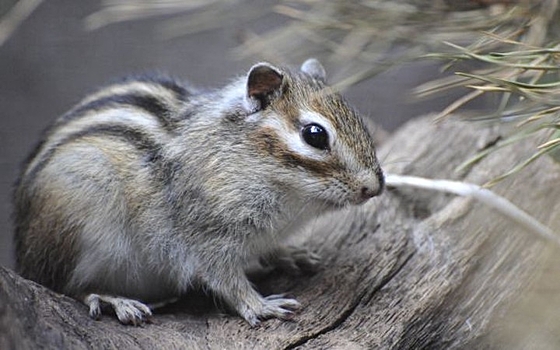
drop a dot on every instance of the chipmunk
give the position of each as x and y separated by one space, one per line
149 187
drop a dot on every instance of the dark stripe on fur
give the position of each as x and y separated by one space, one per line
267 141
137 138
150 104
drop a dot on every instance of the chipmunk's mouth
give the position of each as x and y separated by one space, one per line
360 199
348 202
354 198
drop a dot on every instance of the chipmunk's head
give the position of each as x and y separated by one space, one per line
322 146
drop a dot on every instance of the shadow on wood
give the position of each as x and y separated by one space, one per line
409 270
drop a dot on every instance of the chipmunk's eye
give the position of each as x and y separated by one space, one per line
316 136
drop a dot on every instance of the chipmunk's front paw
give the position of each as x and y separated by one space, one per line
272 306
128 311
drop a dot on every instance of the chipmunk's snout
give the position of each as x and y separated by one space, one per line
371 186
369 192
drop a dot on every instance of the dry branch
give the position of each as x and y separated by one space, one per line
410 270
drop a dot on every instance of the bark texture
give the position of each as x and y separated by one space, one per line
409 270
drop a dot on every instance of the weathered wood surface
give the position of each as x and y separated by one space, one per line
410 270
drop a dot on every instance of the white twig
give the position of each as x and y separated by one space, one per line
481 194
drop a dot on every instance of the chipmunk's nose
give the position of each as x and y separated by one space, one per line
372 186
368 192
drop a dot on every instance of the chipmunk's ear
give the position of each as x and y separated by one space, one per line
314 69
264 83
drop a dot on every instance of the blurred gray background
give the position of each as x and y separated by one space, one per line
51 61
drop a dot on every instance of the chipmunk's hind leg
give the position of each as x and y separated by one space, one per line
128 311
293 260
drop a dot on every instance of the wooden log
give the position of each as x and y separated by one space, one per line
409 270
